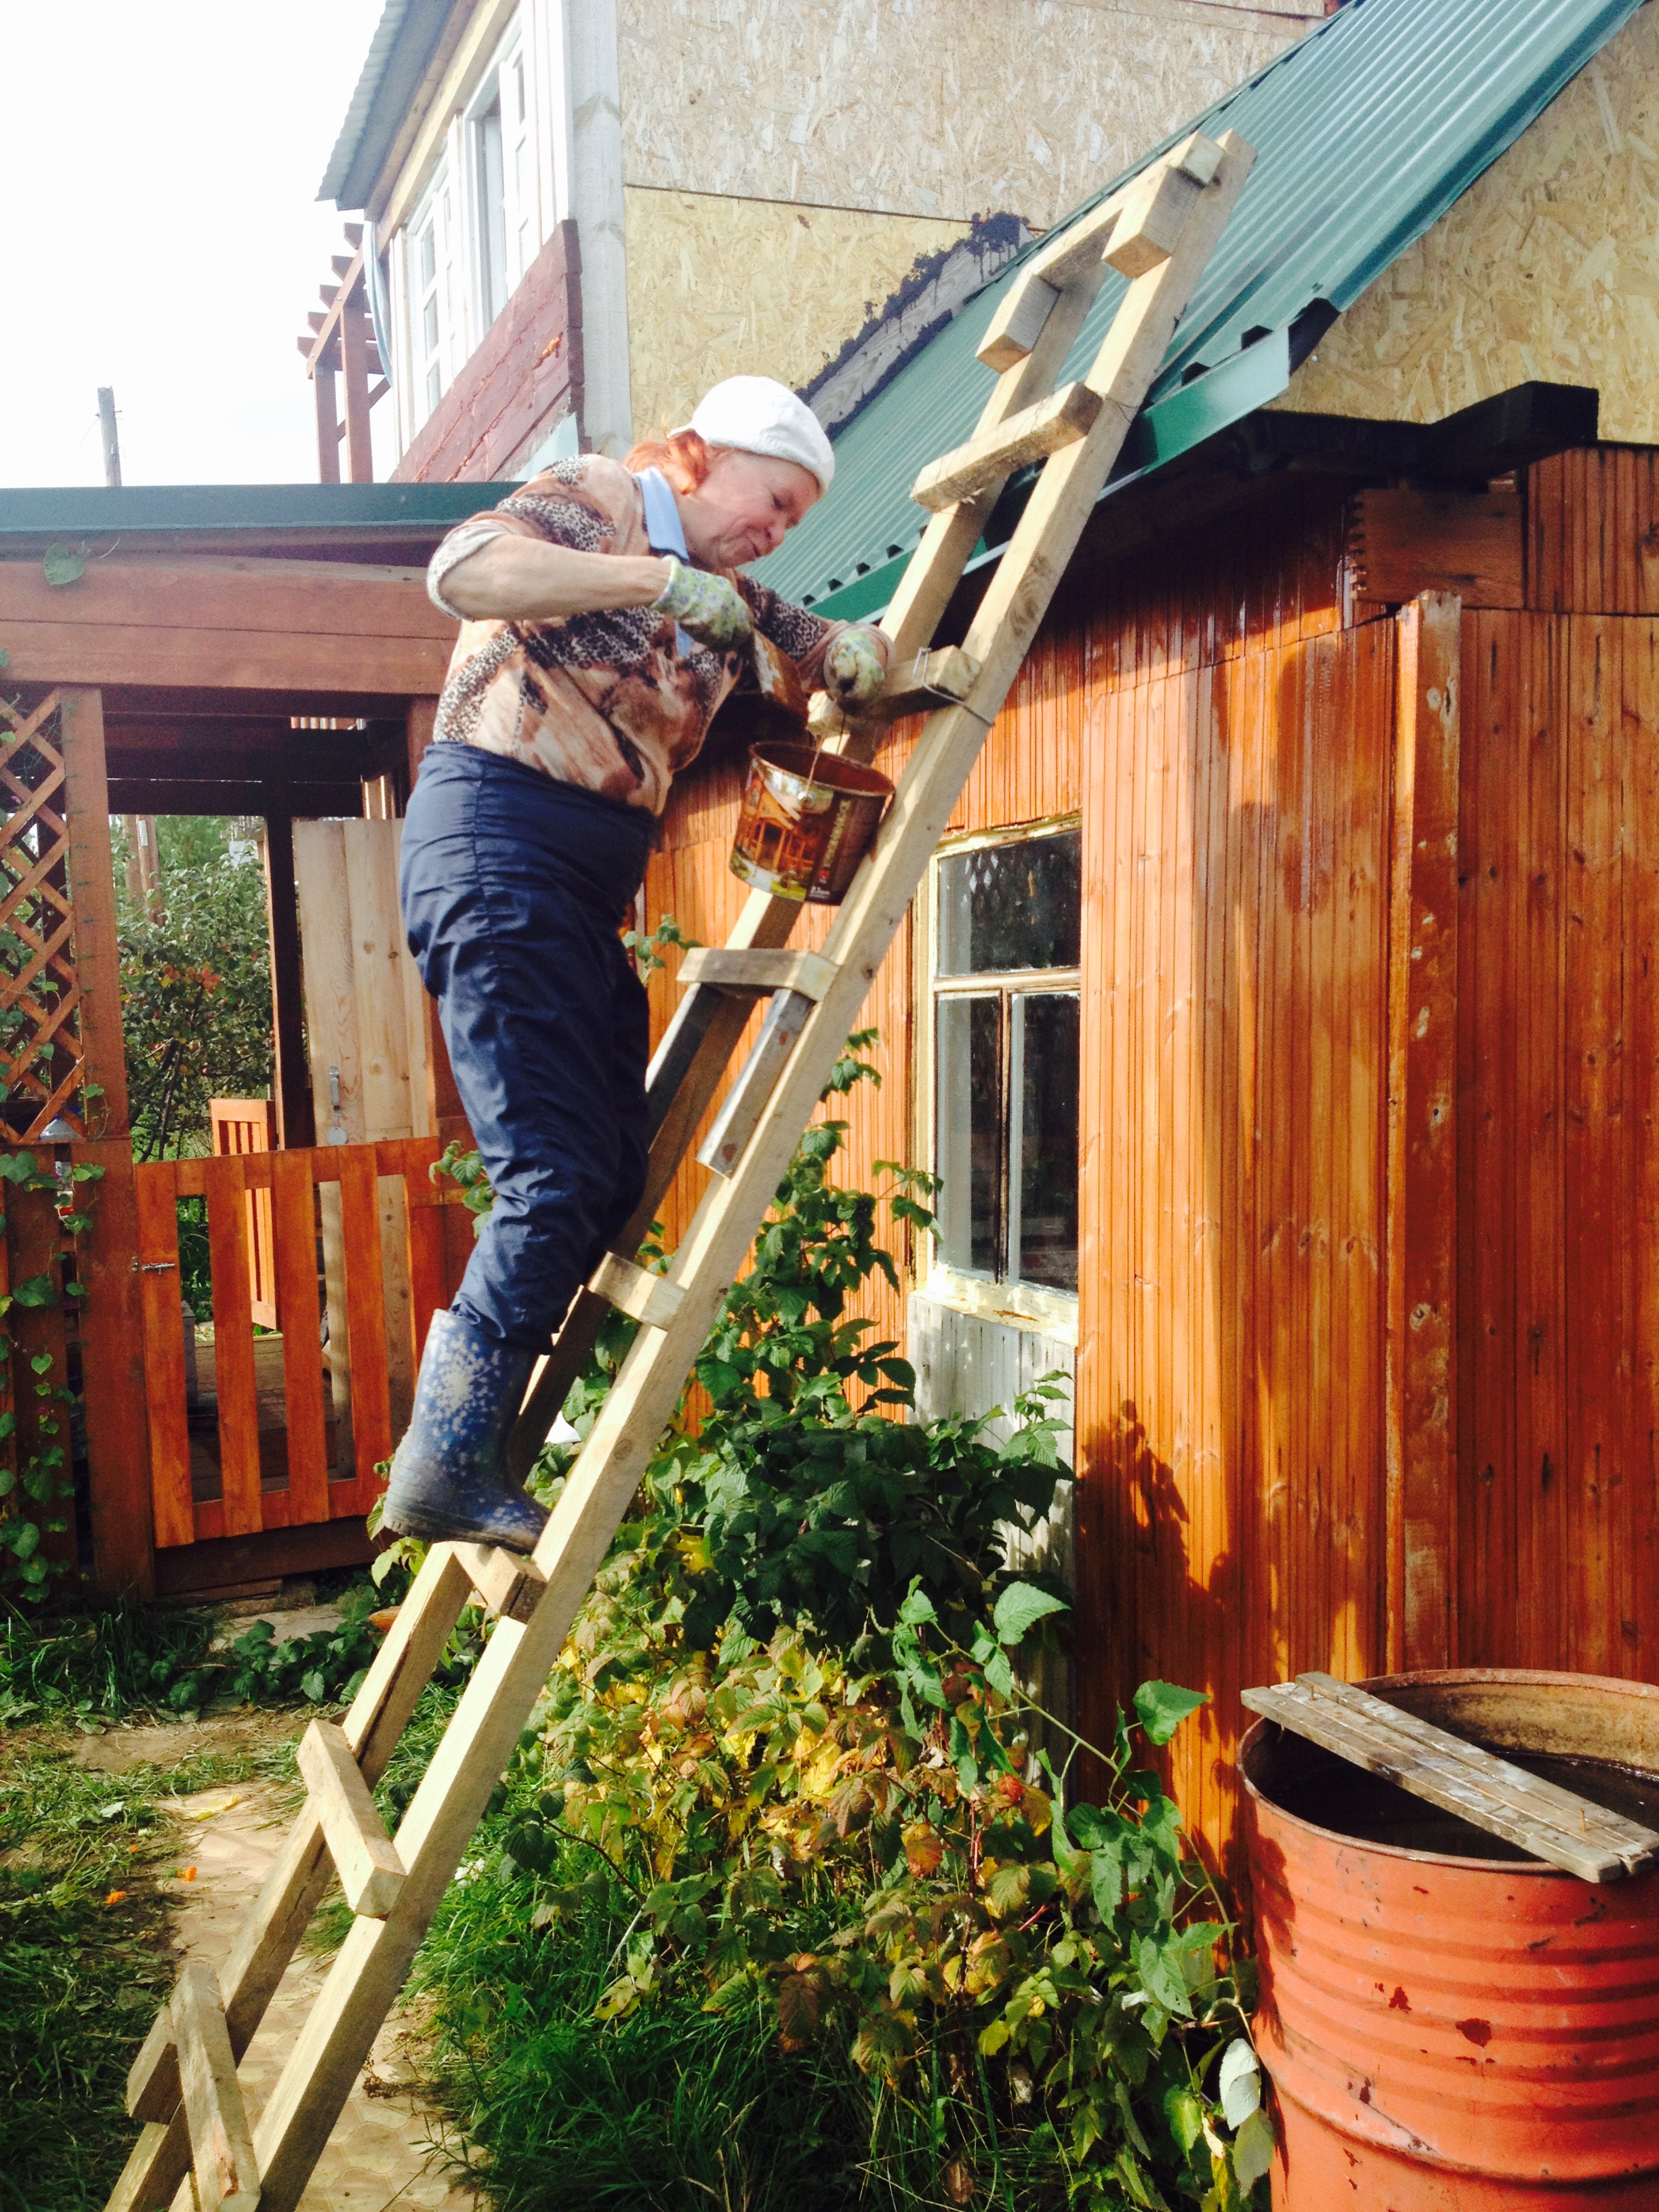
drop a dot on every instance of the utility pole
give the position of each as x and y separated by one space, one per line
112 438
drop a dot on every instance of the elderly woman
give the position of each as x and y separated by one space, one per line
604 619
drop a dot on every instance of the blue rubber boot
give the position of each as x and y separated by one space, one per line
449 1476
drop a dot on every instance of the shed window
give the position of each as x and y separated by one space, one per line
434 308
1005 1058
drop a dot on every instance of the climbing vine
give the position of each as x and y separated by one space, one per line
37 1479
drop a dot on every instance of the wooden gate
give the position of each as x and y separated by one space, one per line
282 1470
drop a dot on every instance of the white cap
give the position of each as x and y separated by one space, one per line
756 415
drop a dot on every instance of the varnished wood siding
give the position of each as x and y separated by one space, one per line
1558 1228
1230 1371
1593 531
1232 751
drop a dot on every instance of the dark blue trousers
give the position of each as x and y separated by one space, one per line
513 888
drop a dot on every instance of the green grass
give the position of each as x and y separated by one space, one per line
81 1976
105 1662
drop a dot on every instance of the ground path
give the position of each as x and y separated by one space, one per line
385 2152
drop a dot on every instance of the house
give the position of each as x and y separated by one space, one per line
585 212
1276 1009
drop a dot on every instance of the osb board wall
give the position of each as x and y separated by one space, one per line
1546 268
732 287
903 106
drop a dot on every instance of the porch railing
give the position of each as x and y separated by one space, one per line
280 1472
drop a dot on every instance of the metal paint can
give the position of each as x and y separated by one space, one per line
808 817
1458 2034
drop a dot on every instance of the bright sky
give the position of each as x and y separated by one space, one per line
160 232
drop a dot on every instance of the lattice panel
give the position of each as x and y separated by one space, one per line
40 1051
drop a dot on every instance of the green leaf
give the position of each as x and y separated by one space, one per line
63 566
1253 2149
1019 1609
36 1290
1162 1707
1238 2084
1184 2114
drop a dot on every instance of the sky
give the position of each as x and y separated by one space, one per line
160 232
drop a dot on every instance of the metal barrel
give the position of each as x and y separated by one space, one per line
1458 2034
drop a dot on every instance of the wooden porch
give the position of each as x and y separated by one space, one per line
286 672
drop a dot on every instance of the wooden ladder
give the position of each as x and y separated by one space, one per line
1160 232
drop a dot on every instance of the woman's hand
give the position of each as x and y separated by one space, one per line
705 605
854 670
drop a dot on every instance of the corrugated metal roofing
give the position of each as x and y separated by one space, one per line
405 40
1365 132
73 512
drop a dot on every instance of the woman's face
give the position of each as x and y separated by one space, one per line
743 507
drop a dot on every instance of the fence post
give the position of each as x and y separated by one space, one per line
112 1375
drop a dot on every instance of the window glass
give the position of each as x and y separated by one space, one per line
969 1148
1042 1085
1008 906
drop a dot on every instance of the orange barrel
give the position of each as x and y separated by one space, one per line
807 820
1451 2026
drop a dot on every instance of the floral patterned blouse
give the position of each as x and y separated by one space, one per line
614 702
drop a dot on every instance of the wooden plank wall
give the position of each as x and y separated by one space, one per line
1558 1168
1231 749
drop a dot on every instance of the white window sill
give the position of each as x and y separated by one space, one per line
1017 1305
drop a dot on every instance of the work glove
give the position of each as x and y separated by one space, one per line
853 672
704 605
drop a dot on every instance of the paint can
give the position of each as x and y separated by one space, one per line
808 818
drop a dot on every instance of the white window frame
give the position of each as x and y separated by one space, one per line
1023 1305
498 138
434 319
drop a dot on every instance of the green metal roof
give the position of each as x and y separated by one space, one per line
72 511
1366 132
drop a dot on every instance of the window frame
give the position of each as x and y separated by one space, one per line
993 1296
436 212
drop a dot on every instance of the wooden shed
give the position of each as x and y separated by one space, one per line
1330 783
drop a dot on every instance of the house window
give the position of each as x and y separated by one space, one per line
1005 1058
503 183
434 322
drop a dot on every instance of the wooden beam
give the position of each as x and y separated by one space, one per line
112 1379
1462 1778
193 593
295 1120
1060 420
92 893
306 801
220 2145
328 417
354 365
635 1290
759 973
1421 1285
105 654
371 1873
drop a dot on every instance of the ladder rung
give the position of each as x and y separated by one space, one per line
508 1582
220 2146
649 1298
745 1102
1139 225
943 678
1019 322
371 1873
1061 419
1154 213
757 972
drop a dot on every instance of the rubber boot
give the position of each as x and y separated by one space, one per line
449 1476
